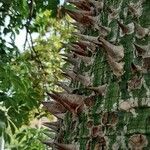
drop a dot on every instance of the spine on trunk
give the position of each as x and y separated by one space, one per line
107 104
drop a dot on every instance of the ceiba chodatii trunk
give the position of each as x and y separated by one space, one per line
107 103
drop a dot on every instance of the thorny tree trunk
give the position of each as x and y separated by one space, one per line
107 103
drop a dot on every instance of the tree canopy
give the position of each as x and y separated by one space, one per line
26 75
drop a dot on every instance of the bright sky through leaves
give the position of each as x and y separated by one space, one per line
20 38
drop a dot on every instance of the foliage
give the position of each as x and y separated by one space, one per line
28 138
19 94
18 97
48 47
23 76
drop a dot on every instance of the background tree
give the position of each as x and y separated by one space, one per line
25 76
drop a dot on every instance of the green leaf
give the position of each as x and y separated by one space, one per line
2 126
3 97
7 137
6 30
20 136
12 126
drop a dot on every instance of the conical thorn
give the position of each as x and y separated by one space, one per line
116 52
117 68
100 89
61 146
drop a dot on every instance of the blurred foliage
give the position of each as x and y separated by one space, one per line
16 15
25 76
48 47
28 138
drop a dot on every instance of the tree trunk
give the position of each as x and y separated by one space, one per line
107 104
